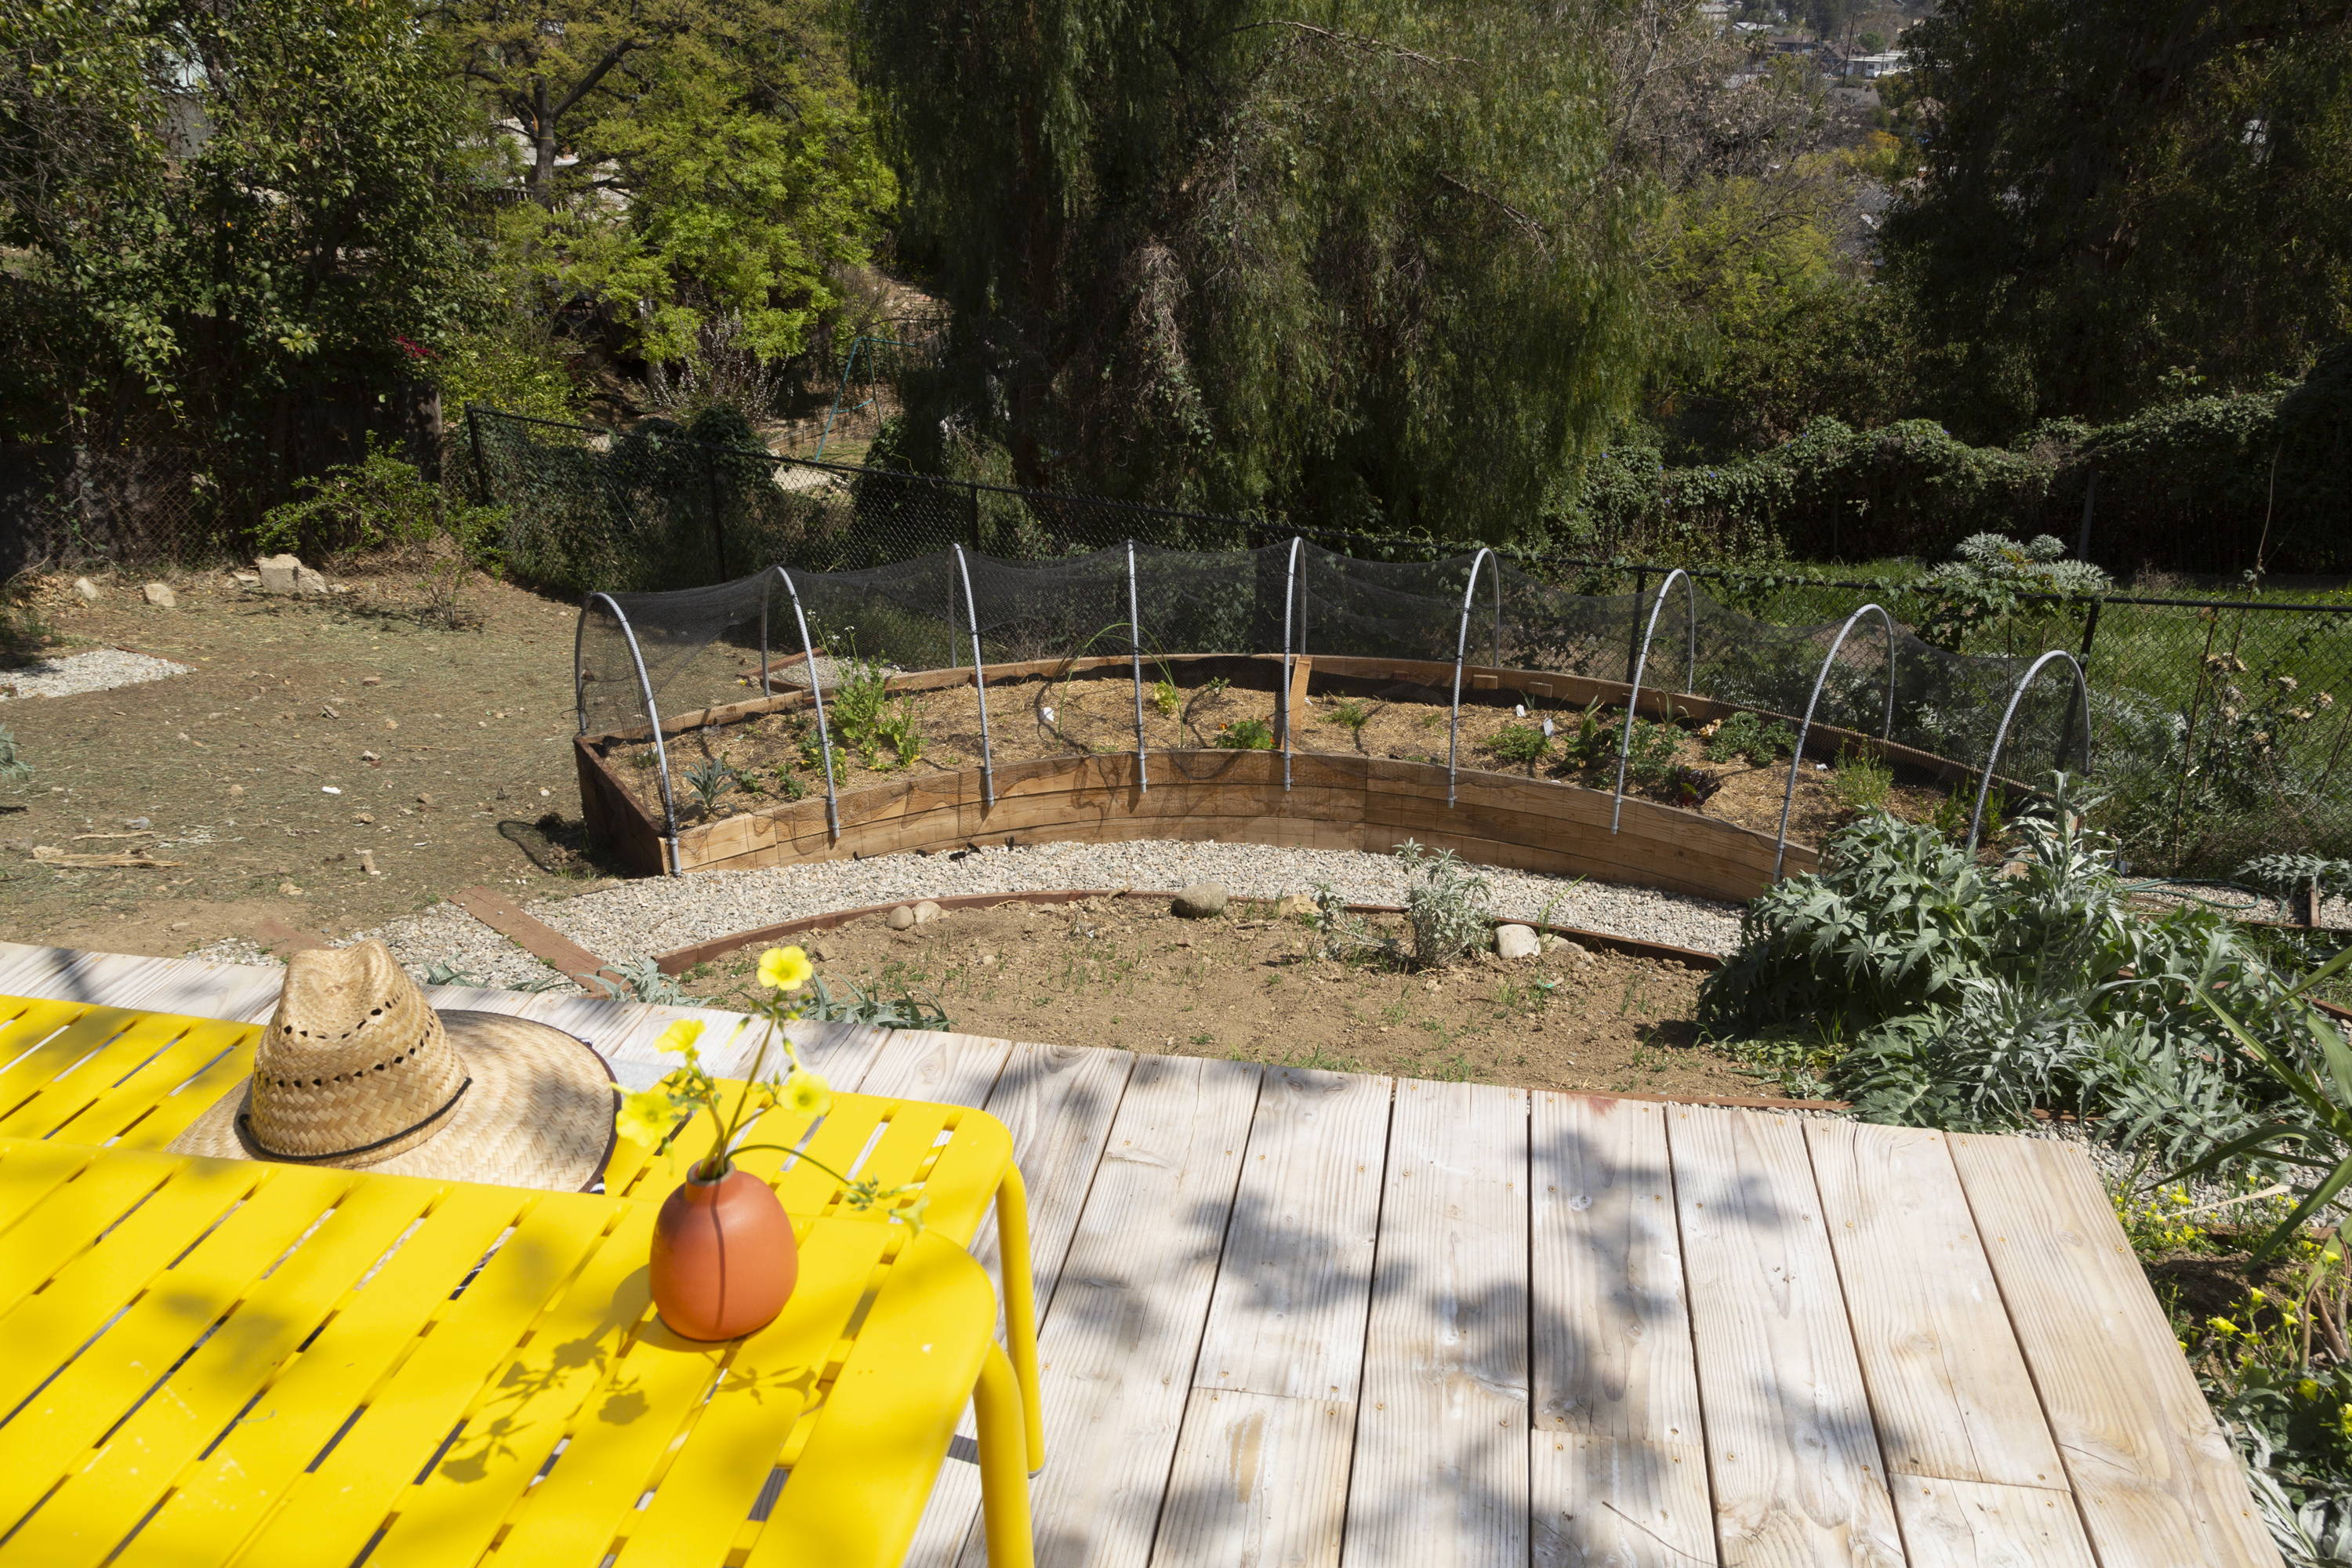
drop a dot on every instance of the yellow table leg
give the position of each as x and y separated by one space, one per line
1021 1306
1003 1479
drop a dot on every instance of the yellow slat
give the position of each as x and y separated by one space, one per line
90 1029
470 1359
49 1436
218 1498
591 1496
85 1517
51 1249
174 1108
857 1489
30 1171
24 1021
123 1083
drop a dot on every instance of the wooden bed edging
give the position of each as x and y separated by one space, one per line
1338 801
679 959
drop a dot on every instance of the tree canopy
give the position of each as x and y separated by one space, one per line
1372 270
2124 201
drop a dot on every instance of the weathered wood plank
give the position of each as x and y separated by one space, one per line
1118 1347
1948 1387
1969 1524
2157 1480
1261 1470
1793 1457
1618 1456
1058 1102
1441 1468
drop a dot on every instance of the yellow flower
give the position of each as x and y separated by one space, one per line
679 1037
785 969
2256 1297
2307 1389
645 1117
2222 1326
807 1094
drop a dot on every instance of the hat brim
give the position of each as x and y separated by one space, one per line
538 1113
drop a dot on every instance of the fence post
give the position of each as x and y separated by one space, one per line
1135 657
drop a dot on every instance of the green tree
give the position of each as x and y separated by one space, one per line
2125 200
213 210
686 162
1372 269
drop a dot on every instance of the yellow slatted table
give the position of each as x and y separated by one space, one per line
114 1077
218 1361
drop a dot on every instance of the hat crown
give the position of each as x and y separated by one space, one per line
352 1057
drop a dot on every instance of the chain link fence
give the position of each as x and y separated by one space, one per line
2222 726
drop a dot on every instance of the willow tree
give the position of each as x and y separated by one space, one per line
1365 266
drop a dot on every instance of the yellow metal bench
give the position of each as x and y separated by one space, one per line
212 1361
114 1077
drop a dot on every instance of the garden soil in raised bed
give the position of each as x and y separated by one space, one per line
1125 973
1094 714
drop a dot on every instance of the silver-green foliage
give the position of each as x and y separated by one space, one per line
15 771
1448 914
2287 875
1973 997
848 1002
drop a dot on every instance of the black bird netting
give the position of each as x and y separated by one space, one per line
643 656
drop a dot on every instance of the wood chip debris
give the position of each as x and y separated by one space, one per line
49 856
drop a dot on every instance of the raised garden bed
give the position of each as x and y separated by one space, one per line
1369 740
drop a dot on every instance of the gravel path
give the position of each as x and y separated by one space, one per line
74 673
443 934
661 913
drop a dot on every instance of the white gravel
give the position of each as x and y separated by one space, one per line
74 673
443 934
658 914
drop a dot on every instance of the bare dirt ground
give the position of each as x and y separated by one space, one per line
776 757
1125 972
308 731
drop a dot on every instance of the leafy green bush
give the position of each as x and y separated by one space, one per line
1861 781
1246 735
1448 914
1520 745
867 718
1971 999
1761 740
15 771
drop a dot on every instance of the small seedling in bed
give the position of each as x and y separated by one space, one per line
1862 782
1166 697
711 781
1349 714
1520 745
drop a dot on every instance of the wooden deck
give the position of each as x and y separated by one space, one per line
1297 1318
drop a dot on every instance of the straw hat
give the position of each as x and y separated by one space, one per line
357 1070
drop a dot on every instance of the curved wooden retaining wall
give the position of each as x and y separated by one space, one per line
1337 800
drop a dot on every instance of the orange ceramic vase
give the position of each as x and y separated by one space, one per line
724 1261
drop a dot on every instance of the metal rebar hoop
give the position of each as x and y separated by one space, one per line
1461 646
816 695
653 719
579 641
1641 662
979 681
1289 590
2001 736
1788 796
1135 653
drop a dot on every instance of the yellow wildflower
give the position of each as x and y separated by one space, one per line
679 1037
2222 1326
785 969
2256 1297
806 1094
645 1117
2307 1389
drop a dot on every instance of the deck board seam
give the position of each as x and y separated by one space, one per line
1690 1328
1208 1305
2032 1373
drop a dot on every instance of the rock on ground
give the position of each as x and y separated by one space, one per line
1516 942
1201 902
